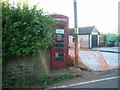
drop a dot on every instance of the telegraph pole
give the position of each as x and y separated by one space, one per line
76 33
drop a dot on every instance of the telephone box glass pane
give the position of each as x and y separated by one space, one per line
59 45
60 36
59 50
59 59
60 40
59 54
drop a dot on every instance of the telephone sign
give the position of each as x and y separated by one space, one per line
60 31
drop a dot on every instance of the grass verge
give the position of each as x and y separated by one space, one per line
23 81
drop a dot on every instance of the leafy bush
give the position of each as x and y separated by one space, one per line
25 30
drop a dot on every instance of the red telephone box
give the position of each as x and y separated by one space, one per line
59 49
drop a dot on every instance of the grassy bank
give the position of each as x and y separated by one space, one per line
23 81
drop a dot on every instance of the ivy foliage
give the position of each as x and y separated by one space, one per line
24 30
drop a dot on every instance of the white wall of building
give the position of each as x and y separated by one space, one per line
70 40
90 41
84 39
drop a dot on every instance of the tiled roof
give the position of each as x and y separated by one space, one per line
82 30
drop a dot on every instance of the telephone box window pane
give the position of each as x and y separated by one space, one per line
59 54
59 59
59 36
59 45
60 31
59 50
60 40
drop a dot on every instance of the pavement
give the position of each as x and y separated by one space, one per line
110 55
101 58
107 49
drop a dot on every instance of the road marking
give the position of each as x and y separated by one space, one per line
82 83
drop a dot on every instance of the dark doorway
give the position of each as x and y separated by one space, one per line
94 41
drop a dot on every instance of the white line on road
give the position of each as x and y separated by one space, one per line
82 83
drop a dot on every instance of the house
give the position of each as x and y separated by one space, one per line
88 36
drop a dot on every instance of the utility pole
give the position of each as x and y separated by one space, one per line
76 33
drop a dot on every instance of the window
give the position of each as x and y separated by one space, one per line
59 54
59 50
59 36
59 45
81 40
73 39
59 59
60 40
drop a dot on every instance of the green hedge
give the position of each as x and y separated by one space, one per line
24 30
112 37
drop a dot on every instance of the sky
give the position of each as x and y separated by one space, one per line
100 13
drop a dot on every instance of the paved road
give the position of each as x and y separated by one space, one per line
110 82
107 49
103 83
89 58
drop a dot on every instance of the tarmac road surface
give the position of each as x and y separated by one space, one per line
103 83
111 82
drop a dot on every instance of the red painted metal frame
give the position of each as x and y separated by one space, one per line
60 64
